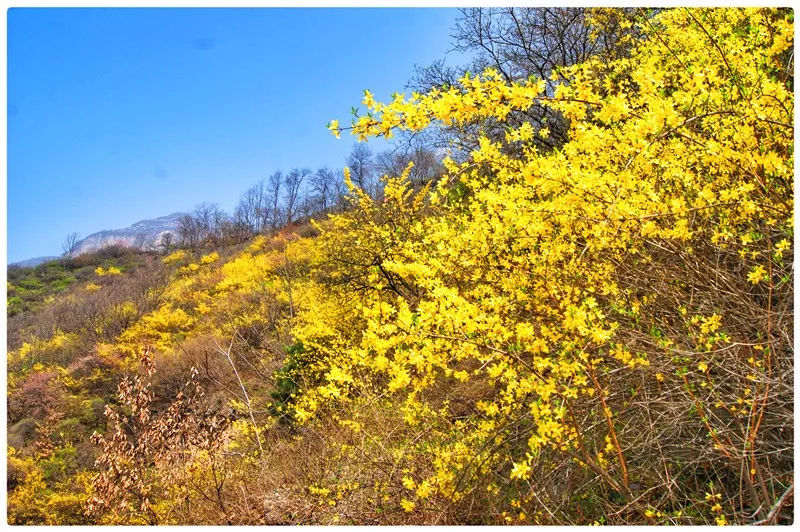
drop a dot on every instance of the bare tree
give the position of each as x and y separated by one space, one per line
188 234
275 182
220 222
427 163
232 231
523 41
292 200
70 245
339 193
204 218
520 42
166 241
139 241
253 210
323 184
361 166
209 218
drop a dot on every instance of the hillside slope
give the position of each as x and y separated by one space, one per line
595 334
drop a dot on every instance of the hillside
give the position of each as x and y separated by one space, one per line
587 318
29 287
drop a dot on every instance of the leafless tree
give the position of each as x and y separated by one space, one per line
427 163
140 241
166 241
520 42
361 164
188 234
204 215
339 193
219 226
323 183
70 245
292 200
231 231
275 182
200 225
253 210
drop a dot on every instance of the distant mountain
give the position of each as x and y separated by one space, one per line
145 234
30 263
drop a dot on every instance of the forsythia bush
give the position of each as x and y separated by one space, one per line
596 332
533 325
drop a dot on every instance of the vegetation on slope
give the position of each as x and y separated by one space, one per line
28 288
597 332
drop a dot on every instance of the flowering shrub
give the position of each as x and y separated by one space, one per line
569 289
596 329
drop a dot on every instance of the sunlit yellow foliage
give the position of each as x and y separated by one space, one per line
27 500
158 330
465 336
517 283
208 259
37 354
246 273
177 256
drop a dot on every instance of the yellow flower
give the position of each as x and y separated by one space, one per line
208 259
757 274
112 270
521 470
782 246
333 126
425 490
174 257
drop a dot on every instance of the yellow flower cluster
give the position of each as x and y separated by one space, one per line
515 284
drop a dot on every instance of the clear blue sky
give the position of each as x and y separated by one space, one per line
116 115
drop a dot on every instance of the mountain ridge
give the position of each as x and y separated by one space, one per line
144 234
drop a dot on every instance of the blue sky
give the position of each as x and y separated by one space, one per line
116 115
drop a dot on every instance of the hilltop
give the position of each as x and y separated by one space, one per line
32 263
144 234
